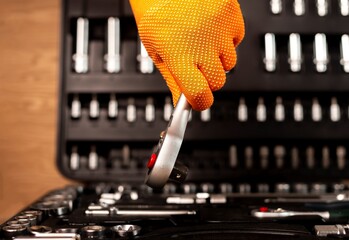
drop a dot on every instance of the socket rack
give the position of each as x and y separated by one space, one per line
282 116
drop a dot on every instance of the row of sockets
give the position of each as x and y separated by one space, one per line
244 112
113 64
300 7
321 54
116 193
210 193
263 157
112 56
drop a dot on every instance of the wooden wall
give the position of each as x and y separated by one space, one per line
29 55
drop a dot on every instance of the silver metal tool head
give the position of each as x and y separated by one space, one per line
162 164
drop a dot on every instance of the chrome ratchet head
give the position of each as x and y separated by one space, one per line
162 165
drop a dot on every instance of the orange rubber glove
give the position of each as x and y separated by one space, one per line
192 43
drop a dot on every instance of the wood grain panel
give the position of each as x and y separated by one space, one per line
29 54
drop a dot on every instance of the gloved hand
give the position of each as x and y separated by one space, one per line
192 43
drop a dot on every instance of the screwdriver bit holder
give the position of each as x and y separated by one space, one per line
281 117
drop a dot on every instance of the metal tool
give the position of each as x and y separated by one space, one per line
344 7
322 198
295 52
270 213
38 214
10 231
93 158
94 107
149 110
310 157
276 6
169 188
270 52
242 111
127 230
298 112
162 164
93 231
131 111
233 156
261 111
39 229
335 110
168 109
112 57
74 159
264 157
206 115
52 208
321 58
81 56
112 211
333 230
316 111
146 64
113 107
279 110
299 7
75 107
225 188
248 157
344 48
322 7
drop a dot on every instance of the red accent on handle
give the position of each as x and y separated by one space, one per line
152 161
263 209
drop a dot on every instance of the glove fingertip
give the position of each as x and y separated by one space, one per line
201 100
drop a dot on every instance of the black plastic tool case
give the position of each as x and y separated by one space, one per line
207 145
269 134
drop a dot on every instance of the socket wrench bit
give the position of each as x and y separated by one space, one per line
146 64
316 110
93 159
131 111
295 52
242 111
75 107
127 230
321 58
344 48
205 115
93 231
168 108
94 107
322 7
333 230
74 159
344 7
112 57
279 110
261 111
149 110
335 110
81 56
270 52
113 108
298 112
276 6
299 7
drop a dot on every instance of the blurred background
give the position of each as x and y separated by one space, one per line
29 61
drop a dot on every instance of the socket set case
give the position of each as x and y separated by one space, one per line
268 160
